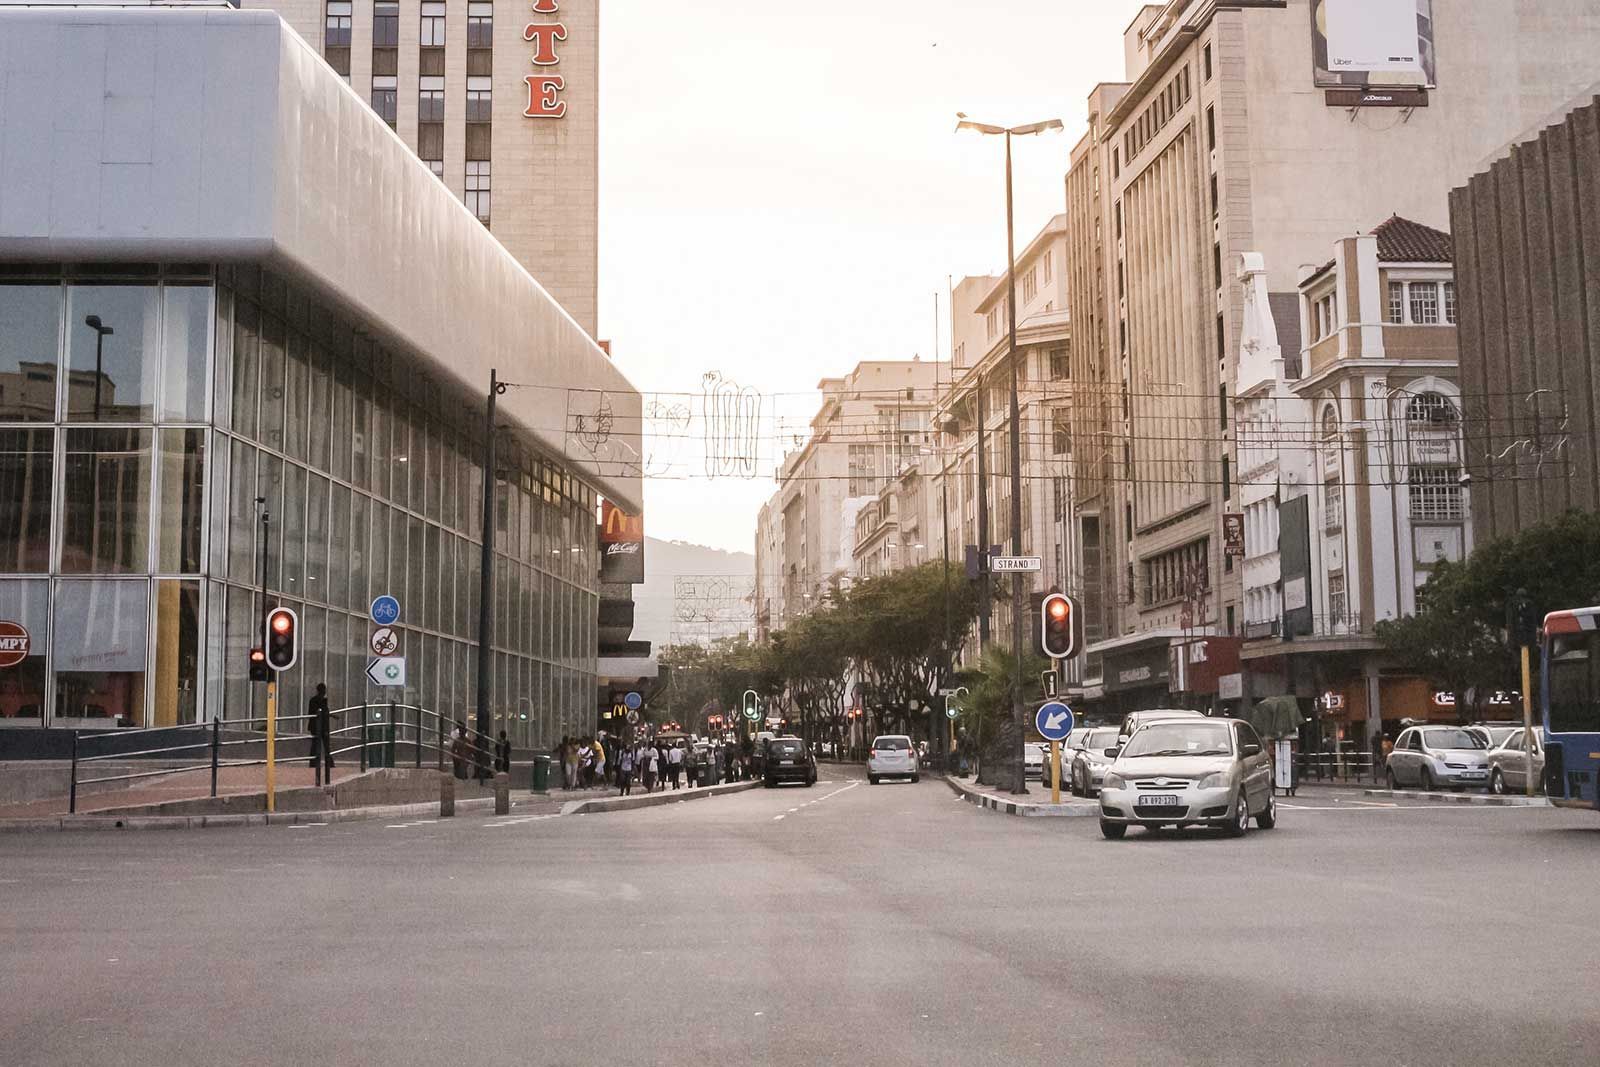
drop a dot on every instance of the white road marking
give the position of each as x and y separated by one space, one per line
776 818
521 820
409 825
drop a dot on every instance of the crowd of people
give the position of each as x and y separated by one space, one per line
649 764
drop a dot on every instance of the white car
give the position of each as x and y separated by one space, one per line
892 756
1035 761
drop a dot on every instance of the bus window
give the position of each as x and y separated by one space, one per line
1574 698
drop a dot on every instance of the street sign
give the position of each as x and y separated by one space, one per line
952 692
387 671
1054 721
14 643
386 611
633 718
1015 564
385 642
634 701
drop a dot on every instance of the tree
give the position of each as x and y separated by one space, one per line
813 657
1456 637
986 725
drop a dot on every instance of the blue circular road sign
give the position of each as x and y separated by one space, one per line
1054 721
386 611
633 701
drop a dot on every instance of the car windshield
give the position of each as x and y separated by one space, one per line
883 743
1181 739
786 749
1101 739
1453 738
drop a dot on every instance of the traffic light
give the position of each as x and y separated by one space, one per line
258 666
1057 635
282 638
1522 619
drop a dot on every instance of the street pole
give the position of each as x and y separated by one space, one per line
1055 772
1017 714
272 676
985 597
1527 725
944 515
486 578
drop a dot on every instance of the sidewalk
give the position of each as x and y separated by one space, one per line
183 785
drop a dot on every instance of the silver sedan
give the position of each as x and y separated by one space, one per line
1090 762
1508 766
1192 772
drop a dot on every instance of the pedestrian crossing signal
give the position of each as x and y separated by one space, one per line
1058 636
258 666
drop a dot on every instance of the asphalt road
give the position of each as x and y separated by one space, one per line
845 923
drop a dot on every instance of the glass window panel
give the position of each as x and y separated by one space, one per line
269 484
180 515
317 539
27 462
415 599
298 392
313 665
243 634
243 517
246 367
177 654
340 419
185 351
100 636
463 598
113 341
321 414
400 453
106 520
216 655
431 473
26 603
434 571
273 382
360 430
291 534
339 559
397 562
381 417
30 343
361 549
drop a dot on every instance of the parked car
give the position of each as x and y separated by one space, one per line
1508 766
789 759
1090 762
1036 759
1495 733
1135 719
1432 756
1183 772
892 756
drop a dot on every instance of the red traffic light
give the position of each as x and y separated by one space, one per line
1058 635
282 639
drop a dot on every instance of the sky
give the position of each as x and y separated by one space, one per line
782 194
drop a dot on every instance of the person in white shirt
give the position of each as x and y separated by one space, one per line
674 764
652 765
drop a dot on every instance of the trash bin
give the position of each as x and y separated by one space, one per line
541 774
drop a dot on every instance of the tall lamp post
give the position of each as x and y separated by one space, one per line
1019 779
101 332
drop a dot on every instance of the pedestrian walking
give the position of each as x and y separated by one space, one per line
318 724
674 764
569 762
502 754
625 772
652 764
458 750
599 762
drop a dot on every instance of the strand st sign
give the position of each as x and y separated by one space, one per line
545 87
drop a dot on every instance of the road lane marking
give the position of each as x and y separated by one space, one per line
522 820
776 818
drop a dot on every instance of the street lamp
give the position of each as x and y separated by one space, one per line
1047 125
101 332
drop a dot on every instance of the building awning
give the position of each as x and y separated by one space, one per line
625 668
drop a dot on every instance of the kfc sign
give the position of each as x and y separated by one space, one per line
544 89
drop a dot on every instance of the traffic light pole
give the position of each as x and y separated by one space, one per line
1527 724
486 578
272 743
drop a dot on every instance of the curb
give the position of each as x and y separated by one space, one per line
601 805
1074 810
1485 799
196 822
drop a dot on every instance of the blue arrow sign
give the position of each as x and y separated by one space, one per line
386 611
1054 721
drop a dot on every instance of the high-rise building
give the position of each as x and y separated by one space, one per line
1266 126
501 99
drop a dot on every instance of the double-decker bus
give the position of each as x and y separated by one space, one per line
1569 701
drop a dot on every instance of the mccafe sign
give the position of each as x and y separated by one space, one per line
545 87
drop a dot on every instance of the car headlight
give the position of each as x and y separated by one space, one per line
1114 781
1214 780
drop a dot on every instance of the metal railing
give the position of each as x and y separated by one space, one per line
396 725
1338 767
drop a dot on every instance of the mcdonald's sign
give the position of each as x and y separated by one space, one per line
621 545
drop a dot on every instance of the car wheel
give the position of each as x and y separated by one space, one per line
1426 780
1241 815
1113 831
1388 777
1269 816
915 778
769 783
872 779
1497 783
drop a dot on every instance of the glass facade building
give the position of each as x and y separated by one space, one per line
150 415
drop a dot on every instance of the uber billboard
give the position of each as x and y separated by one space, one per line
621 545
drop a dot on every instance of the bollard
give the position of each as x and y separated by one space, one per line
502 794
447 796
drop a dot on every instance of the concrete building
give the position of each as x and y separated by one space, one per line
1350 474
223 278
873 423
501 99
1234 132
1528 263
981 374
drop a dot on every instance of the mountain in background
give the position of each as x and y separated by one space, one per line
714 599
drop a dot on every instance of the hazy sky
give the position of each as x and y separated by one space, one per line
782 193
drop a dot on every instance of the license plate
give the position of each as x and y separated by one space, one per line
1159 800
786 763
1472 774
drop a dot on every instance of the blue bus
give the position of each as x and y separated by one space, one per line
1569 701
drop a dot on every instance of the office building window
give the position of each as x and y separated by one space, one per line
1206 54
1424 303
1397 302
1336 598
1215 203
479 99
437 166
1430 410
480 24
478 189
1211 129
430 99
1049 262
1333 506
1435 491
336 36
1060 365
1060 434
432 24
1179 574
385 25
1227 480
1216 263
384 94
1449 290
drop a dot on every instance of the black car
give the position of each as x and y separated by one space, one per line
788 759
